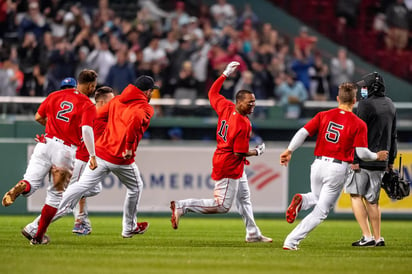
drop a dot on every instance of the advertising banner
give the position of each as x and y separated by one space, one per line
181 172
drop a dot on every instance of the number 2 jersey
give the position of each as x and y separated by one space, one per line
339 132
67 111
232 135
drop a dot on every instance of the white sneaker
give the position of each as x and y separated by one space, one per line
261 238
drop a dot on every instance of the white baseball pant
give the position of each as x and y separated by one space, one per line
225 192
79 167
44 156
128 175
326 181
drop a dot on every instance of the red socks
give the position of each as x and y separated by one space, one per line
47 215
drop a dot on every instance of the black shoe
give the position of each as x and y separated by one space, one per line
363 242
380 242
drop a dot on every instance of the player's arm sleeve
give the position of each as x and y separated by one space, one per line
365 154
214 94
298 139
88 139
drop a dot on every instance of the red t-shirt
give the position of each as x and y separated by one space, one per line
339 132
98 127
67 111
232 135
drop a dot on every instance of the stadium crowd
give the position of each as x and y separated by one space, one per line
183 46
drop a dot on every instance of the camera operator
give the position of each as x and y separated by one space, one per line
364 182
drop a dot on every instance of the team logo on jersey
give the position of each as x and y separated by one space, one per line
261 175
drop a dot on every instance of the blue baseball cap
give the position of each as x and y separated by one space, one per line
68 82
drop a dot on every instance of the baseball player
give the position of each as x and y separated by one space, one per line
379 114
68 115
82 224
231 184
128 116
339 133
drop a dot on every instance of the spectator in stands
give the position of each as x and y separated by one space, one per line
301 64
276 67
81 59
291 93
347 12
154 53
319 84
186 88
122 73
62 61
40 81
101 58
304 42
245 81
199 59
34 21
11 78
170 43
223 13
398 20
247 15
29 54
57 26
262 81
179 15
266 33
182 54
342 69
231 54
8 21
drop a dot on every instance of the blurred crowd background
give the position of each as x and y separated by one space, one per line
185 45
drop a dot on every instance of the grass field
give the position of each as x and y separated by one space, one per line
201 245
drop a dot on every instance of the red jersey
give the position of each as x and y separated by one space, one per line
98 127
232 135
128 117
67 111
339 132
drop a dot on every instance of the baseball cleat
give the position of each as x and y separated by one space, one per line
44 241
13 193
364 242
294 208
26 234
140 229
380 242
260 239
81 229
290 248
